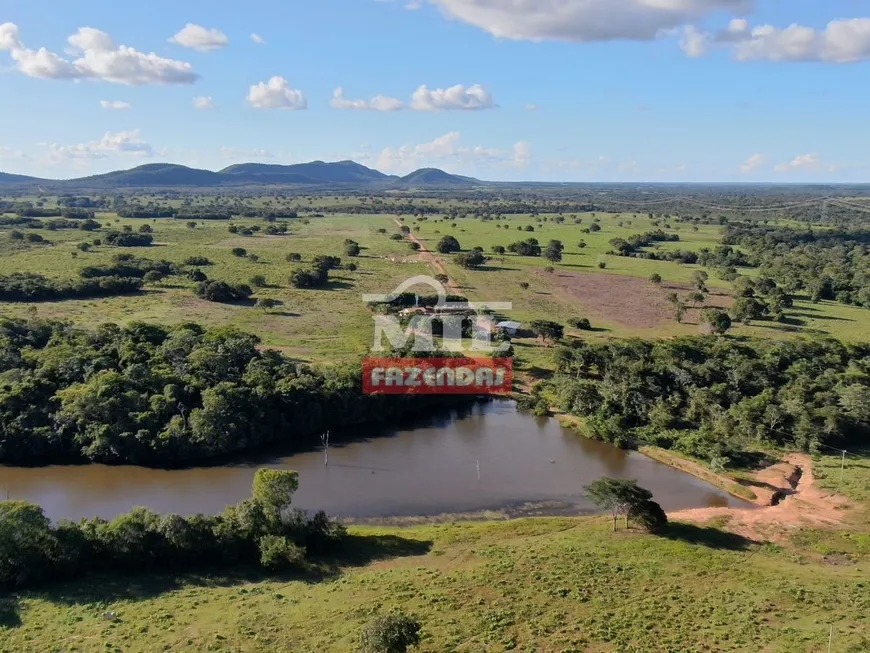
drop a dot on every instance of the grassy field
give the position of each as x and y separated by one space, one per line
332 324
310 324
530 585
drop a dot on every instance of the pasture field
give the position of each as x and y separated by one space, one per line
333 324
309 324
546 584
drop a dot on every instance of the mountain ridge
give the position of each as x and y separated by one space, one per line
314 173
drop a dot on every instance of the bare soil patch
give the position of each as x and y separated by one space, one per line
628 301
788 496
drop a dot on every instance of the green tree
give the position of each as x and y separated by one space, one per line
448 245
715 321
617 496
553 251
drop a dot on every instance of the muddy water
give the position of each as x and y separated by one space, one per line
423 469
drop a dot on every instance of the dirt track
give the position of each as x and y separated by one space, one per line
788 497
433 260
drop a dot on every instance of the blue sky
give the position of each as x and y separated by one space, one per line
563 90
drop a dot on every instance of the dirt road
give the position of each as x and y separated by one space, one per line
788 497
433 260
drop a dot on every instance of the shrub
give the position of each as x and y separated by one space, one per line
392 633
197 260
471 260
655 278
294 257
241 252
258 281
448 245
602 264
152 277
222 292
279 553
524 285
581 323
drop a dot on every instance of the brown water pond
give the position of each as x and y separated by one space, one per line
486 457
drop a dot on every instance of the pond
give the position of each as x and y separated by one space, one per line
488 457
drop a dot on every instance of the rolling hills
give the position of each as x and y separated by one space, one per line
314 174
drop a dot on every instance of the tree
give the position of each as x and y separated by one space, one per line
553 252
448 245
656 278
258 281
351 248
392 633
294 257
746 309
618 496
699 280
498 249
471 260
547 331
715 321
582 323
241 252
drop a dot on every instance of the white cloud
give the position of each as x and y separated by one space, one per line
203 102
842 41
276 94
256 38
457 97
377 103
522 154
449 152
800 162
115 105
99 58
532 107
7 154
584 20
125 142
752 163
200 38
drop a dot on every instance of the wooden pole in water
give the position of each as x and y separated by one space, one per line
478 470
325 440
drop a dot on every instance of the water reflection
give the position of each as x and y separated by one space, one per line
428 468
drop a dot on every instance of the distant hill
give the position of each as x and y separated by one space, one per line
6 178
315 173
433 177
152 174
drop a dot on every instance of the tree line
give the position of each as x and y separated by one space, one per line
160 396
263 530
714 398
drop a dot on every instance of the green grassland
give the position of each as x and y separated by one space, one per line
331 324
549 584
310 324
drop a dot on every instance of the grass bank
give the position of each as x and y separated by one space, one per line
532 585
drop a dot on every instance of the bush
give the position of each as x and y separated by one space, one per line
602 265
197 260
128 239
279 553
241 252
656 278
352 267
448 245
471 260
352 248
293 257
392 633
258 281
152 277
222 292
581 323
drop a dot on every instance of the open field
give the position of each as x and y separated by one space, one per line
529 585
330 324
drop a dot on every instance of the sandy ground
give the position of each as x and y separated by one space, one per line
788 498
629 301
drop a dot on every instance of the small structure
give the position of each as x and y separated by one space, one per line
510 328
